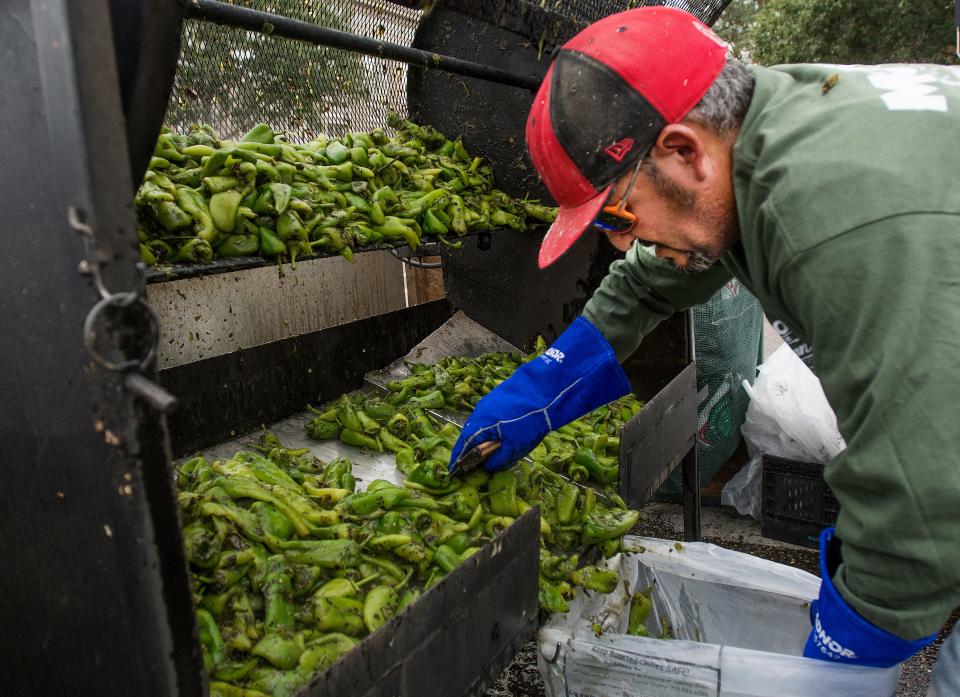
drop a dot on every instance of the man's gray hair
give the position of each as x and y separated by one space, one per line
725 104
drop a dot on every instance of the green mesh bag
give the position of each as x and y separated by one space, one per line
728 330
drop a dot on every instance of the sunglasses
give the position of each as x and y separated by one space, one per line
616 218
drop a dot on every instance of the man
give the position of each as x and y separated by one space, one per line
832 194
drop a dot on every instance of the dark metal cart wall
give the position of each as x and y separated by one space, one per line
94 580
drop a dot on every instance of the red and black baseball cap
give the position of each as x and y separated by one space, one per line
610 91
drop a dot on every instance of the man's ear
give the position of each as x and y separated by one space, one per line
680 152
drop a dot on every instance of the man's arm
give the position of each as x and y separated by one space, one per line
640 291
881 306
581 370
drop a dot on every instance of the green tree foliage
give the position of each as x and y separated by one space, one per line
735 22
844 31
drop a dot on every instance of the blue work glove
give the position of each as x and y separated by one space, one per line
839 633
577 374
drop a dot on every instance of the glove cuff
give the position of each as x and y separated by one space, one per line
840 634
589 365
583 340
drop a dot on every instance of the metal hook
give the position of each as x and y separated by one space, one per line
134 380
90 333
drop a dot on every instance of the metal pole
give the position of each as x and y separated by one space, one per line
690 465
278 25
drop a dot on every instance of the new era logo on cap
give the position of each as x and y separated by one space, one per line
619 150
611 90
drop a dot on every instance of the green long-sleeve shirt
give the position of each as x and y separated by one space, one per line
849 207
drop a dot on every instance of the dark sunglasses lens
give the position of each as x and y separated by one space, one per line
608 222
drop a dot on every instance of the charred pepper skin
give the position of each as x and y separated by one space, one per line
503 494
605 471
605 524
330 554
640 606
239 246
339 614
446 558
379 607
551 599
367 503
197 250
595 578
280 651
210 639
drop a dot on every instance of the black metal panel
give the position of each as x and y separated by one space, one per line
661 356
226 395
528 19
459 636
95 588
489 117
502 289
545 302
146 37
657 438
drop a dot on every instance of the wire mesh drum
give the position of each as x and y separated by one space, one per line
232 79
587 11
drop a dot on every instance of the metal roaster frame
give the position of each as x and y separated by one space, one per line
89 508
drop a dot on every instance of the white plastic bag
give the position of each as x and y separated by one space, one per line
788 416
739 624
743 491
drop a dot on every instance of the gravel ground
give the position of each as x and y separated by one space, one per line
522 679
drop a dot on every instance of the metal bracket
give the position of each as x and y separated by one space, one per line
658 438
406 255
426 249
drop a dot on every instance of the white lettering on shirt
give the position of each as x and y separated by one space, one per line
909 87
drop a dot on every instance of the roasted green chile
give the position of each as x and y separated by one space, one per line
328 196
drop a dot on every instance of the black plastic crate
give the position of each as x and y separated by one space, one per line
797 503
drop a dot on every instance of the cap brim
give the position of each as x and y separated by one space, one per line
570 224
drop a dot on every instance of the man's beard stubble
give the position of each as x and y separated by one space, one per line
722 218
697 261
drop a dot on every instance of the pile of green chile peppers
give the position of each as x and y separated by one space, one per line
204 197
292 566
579 525
586 450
